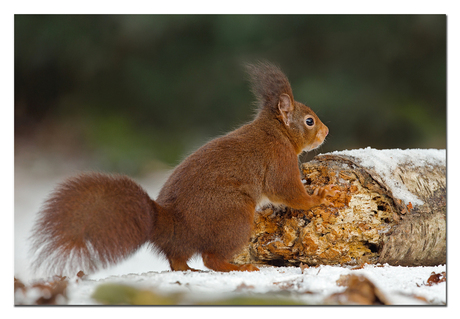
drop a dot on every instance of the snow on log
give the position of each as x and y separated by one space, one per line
391 208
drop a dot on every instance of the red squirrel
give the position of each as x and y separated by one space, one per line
206 206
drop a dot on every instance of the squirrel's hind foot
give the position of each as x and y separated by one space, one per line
179 264
217 263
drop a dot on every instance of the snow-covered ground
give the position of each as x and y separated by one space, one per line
401 285
148 270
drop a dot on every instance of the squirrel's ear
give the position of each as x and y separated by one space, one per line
286 107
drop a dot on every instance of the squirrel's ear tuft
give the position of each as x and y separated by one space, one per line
268 84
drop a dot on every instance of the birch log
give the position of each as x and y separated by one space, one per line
391 208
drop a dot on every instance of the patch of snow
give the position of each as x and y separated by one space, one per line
384 162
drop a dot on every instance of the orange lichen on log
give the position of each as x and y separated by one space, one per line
344 233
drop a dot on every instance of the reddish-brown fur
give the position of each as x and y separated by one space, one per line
206 206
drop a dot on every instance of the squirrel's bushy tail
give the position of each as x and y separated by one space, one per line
89 222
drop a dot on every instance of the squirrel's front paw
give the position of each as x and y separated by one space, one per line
323 192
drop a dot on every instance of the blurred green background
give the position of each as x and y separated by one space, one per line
132 93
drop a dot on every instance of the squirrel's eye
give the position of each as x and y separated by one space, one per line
310 121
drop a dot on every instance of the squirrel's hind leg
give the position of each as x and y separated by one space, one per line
217 263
